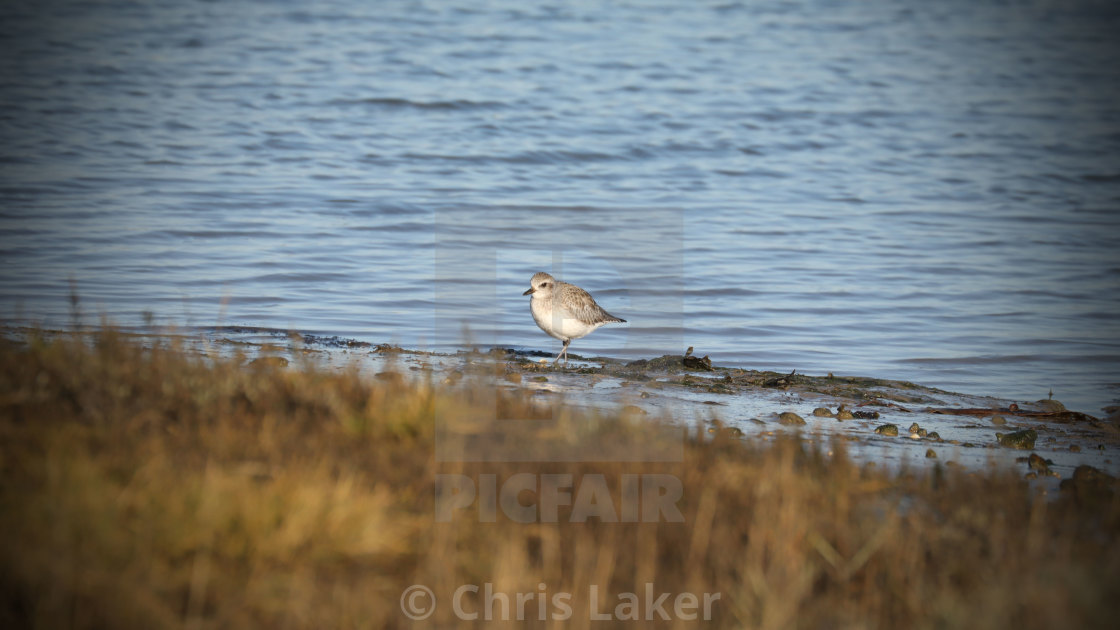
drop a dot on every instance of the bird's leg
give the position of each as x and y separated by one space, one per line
563 352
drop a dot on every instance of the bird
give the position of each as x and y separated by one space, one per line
565 311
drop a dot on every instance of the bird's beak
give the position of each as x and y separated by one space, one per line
531 290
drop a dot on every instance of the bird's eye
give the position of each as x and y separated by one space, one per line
544 285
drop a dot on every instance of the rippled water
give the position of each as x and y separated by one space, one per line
879 188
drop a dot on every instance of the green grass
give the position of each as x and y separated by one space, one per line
147 488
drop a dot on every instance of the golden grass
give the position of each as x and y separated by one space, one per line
145 487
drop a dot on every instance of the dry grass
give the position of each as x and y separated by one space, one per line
143 487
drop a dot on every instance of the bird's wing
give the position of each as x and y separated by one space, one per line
584 307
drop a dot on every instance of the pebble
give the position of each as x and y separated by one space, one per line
844 414
1051 405
1037 462
790 418
822 412
1089 480
887 429
1019 439
931 454
998 420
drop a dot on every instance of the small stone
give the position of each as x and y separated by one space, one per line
790 418
914 428
844 414
539 379
887 429
921 433
1073 448
998 420
1019 439
866 415
931 454
934 435
1051 405
822 412
1090 474
695 363
644 395
1037 462
1089 483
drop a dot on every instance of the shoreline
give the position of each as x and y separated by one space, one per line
152 481
687 390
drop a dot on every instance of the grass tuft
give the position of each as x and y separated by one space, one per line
143 486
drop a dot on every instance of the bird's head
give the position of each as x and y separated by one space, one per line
541 285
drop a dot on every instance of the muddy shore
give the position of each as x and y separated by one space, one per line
892 423
885 422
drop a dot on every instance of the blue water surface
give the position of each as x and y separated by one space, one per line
924 191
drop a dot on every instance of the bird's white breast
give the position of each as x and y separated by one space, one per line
556 322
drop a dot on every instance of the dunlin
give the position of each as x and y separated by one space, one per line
565 311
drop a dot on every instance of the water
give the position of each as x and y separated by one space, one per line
879 188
